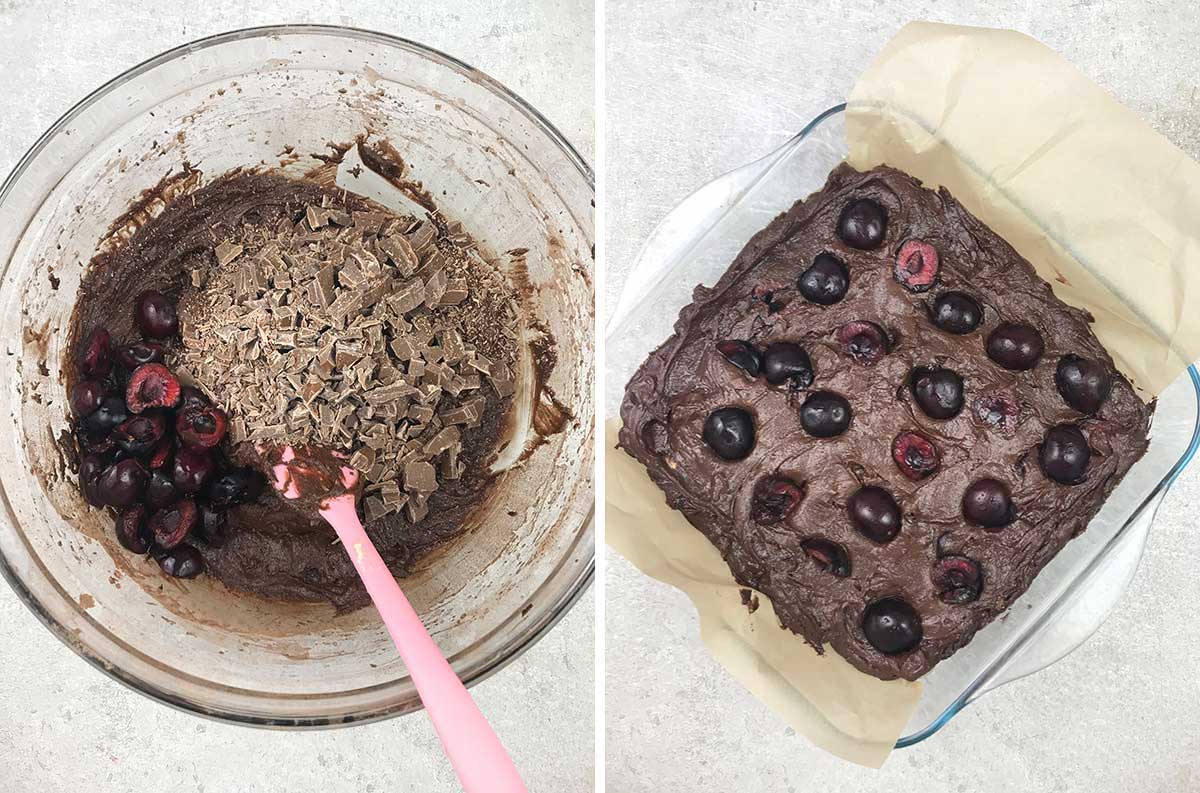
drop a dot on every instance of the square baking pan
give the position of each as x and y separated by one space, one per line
1075 592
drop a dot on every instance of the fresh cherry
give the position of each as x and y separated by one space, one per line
90 469
1015 347
743 355
1065 454
957 579
998 409
829 555
825 414
140 434
171 525
160 490
775 498
86 397
200 428
1083 383
182 561
916 266
97 353
131 528
826 281
863 341
862 224
122 483
161 454
915 455
156 315
211 527
237 486
955 312
938 391
892 626
132 356
875 514
105 418
192 469
988 503
730 433
785 361
192 397
152 386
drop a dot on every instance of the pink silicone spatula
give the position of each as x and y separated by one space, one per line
478 757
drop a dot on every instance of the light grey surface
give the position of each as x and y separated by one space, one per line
66 727
694 91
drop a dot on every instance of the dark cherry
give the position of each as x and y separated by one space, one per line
989 503
105 418
122 483
957 579
863 341
1065 454
826 281
192 469
237 486
938 391
211 527
132 356
998 409
86 396
161 454
182 561
775 498
156 315
1083 383
829 555
160 491
1014 346
131 528
915 455
743 355
192 397
96 360
825 414
785 361
892 626
862 224
955 312
90 469
172 525
201 428
875 513
730 433
916 266
151 386
139 435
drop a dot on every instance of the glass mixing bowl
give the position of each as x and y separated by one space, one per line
269 97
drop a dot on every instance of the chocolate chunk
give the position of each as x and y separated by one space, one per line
420 476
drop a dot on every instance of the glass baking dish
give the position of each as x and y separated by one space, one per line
1074 594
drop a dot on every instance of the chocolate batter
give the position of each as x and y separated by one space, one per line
684 381
274 548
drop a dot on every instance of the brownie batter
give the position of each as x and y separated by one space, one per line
275 548
777 495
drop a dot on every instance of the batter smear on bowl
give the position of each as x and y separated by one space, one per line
260 311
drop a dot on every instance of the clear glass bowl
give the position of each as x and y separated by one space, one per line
237 100
1073 595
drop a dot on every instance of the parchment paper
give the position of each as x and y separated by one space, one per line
1107 211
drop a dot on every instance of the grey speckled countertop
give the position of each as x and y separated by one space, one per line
66 727
694 90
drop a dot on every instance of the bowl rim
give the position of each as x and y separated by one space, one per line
8 572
